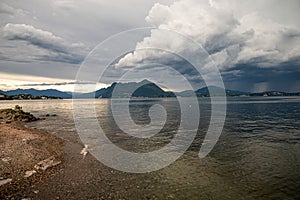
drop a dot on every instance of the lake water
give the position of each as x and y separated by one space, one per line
256 157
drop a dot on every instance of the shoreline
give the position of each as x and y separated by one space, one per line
233 161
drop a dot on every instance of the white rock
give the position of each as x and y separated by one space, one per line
84 151
5 181
45 164
29 173
6 160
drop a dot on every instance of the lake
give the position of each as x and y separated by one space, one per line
256 157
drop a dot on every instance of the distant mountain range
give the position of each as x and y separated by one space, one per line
205 92
39 93
144 88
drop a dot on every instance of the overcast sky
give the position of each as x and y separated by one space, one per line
255 44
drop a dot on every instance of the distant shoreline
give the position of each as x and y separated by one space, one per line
137 98
143 89
132 98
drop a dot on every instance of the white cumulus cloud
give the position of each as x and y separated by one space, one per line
230 36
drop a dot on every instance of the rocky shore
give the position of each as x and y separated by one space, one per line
27 156
16 115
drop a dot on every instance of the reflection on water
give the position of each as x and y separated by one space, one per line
139 112
257 156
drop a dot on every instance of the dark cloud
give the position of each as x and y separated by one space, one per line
255 43
45 69
57 84
57 49
61 57
245 46
253 78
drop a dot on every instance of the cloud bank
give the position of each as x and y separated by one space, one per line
58 84
254 43
232 38
57 49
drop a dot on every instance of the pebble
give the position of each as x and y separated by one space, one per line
5 181
47 163
84 151
29 173
6 160
36 191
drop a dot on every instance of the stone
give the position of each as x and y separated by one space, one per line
29 173
5 181
47 163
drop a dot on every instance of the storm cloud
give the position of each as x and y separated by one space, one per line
233 41
255 44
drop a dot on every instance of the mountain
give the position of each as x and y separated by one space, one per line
185 93
145 88
216 91
234 93
203 92
97 93
34 92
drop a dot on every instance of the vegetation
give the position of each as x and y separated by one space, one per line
26 97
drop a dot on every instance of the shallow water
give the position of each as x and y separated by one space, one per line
256 157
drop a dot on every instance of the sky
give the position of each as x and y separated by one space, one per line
254 44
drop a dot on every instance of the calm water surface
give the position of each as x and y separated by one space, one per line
256 157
